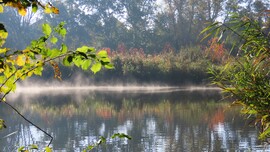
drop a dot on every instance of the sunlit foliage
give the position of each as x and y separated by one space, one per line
22 5
246 76
18 65
169 66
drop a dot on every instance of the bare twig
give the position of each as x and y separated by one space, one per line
12 107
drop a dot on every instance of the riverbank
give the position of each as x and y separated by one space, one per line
184 67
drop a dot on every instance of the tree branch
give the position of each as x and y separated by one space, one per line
12 107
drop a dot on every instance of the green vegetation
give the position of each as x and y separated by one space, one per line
142 24
167 41
169 67
17 65
246 76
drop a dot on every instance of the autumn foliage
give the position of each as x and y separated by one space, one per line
216 51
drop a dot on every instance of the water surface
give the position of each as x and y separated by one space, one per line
159 120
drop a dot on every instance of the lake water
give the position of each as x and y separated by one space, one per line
159 120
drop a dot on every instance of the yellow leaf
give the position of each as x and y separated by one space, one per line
12 4
20 60
22 11
18 74
30 73
48 9
22 77
3 34
1 9
48 149
3 50
55 10
26 51
4 89
10 60
7 72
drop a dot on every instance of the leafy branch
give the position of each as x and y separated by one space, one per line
246 77
22 64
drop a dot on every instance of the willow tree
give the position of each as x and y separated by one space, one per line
17 65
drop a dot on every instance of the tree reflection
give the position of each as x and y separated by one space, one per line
178 121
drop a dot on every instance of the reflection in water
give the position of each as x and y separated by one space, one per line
176 120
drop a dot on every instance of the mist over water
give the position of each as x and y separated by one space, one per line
116 88
80 83
77 88
163 121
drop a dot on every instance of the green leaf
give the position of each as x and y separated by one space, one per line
89 148
5 90
83 55
265 133
64 48
86 64
46 52
96 67
83 49
63 32
54 40
93 56
92 49
109 66
38 71
103 54
34 43
67 61
3 50
34 7
77 61
61 24
34 147
21 149
47 30
3 33
105 61
2 79
209 28
55 53
10 83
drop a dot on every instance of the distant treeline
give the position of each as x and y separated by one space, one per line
146 24
166 33
134 66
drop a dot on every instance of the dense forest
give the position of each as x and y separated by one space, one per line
149 25
146 39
